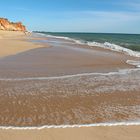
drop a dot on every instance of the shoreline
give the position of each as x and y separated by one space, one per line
96 45
106 124
29 40
96 133
67 74
120 72
28 99
15 42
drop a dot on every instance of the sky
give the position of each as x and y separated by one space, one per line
101 16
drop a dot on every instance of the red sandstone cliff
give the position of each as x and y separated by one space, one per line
6 25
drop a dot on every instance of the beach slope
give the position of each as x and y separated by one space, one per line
96 133
12 42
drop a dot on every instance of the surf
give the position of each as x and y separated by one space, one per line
105 45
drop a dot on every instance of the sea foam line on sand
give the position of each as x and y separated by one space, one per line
105 45
120 72
134 63
72 126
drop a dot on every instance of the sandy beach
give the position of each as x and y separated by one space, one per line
96 133
62 58
14 42
64 84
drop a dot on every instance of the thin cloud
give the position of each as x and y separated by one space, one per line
22 9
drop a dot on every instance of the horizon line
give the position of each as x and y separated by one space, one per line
88 32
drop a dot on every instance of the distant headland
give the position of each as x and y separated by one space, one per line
6 25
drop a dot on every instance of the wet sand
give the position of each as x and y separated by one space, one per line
35 88
62 58
96 133
72 100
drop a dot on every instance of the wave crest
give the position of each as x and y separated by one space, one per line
105 45
134 63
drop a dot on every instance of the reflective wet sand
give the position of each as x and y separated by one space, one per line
73 100
96 133
61 58
35 88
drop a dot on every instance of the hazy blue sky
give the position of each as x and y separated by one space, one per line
75 15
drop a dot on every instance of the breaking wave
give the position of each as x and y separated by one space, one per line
105 45
134 63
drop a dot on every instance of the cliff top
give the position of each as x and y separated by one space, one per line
7 25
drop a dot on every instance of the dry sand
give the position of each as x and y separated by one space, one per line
91 133
12 43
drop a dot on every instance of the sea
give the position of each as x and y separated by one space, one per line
128 43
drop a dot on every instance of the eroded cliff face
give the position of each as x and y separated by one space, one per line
6 25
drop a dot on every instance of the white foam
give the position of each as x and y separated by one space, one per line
61 37
115 47
121 49
120 72
105 45
133 123
135 63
